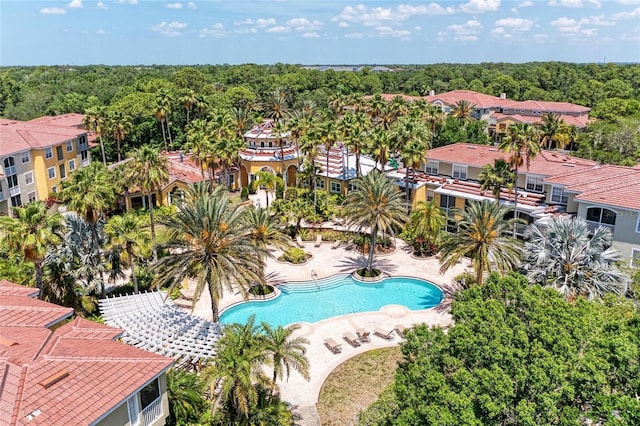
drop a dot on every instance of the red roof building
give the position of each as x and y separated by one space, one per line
73 373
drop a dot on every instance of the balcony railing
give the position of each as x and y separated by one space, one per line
1 195
593 225
14 191
152 412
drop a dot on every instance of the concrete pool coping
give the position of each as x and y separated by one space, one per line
326 262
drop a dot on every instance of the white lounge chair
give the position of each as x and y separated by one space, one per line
363 335
332 345
400 330
336 244
351 339
318 242
385 334
299 241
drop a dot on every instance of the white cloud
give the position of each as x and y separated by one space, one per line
629 2
574 3
377 16
101 5
215 30
387 31
632 35
127 1
353 35
75 4
53 11
628 15
343 24
176 5
101 32
480 6
278 29
596 20
508 27
566 25
304 24
526 4
192 5
311 34
170 29
259 23
466 32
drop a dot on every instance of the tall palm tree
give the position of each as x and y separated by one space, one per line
31 233
463 110
267 180
242 120
210 240
162 113
428 219
95 120
279 133
481 236
276 106
264 229
566 255
199 142
149 170
376 204
495 177
380 146
413 140
285 352
119 126
188 100
549 127
328 134
521 143
128 234
186 393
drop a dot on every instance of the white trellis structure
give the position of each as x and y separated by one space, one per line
157 325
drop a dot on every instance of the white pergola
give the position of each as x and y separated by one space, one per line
154 323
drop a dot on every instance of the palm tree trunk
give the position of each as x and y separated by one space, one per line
407 187
133 272
119 155
372 247
214 304
358 163
515 203
326 188
479 274
153 228
38 272
266 194
273 380
164 136
104 157
169 133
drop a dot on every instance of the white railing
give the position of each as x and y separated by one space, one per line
14 191
152 412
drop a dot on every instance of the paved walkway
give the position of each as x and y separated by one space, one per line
327 261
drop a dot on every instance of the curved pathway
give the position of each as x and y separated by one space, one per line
326 261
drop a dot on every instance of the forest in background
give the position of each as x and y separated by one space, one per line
611 90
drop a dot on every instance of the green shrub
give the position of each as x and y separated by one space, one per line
465 279
244 193
252 189
295 255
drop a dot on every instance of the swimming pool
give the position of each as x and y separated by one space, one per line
330 297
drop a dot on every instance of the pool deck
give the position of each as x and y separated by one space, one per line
326 261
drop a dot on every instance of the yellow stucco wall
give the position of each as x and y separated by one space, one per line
41 164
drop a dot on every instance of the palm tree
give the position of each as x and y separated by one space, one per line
567 256
119 126
413 140
521 143
31 232
380 146
428 219
285 352
496 177
82 248
268 181
242 120
264 229
278 131
149 170
463 110
209 239
95 121
328 135
199 142
186 396
128 234
481 236
276 107
188 101
162 113
550 126
376 204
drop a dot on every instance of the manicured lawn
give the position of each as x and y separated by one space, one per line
354 385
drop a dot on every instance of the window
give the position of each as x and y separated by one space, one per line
85 157
82 141
459 172
534 184
558 195
28 178
134 410
25 157
336 187
601 216
447 202
54 189
72 165
430 194
59 153
635 257
48 153
51 171
69 146
431 167
16 201
12 177
149 394
63 172
638 224
320 183
352 187
32 196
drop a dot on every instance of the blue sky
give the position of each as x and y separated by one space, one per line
123 32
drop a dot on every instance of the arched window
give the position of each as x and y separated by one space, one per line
262 144
601 215
270 144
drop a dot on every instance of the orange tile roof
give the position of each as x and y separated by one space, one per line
569 120
480 100
546 163
16 136
65 120
623 194
95 372
10 289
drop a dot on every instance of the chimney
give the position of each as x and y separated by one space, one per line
503 95
432 92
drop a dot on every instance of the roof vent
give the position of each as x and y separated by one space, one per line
32 415
471 147
47 383
494 149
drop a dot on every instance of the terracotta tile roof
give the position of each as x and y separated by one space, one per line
623 194
480 100
390 96
546 163
544 106
73 375
569 120
64 120
16 136
10 289
262 131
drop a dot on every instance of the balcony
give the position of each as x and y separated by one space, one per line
14 191
152 412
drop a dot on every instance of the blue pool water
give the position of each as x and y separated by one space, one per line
334 296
